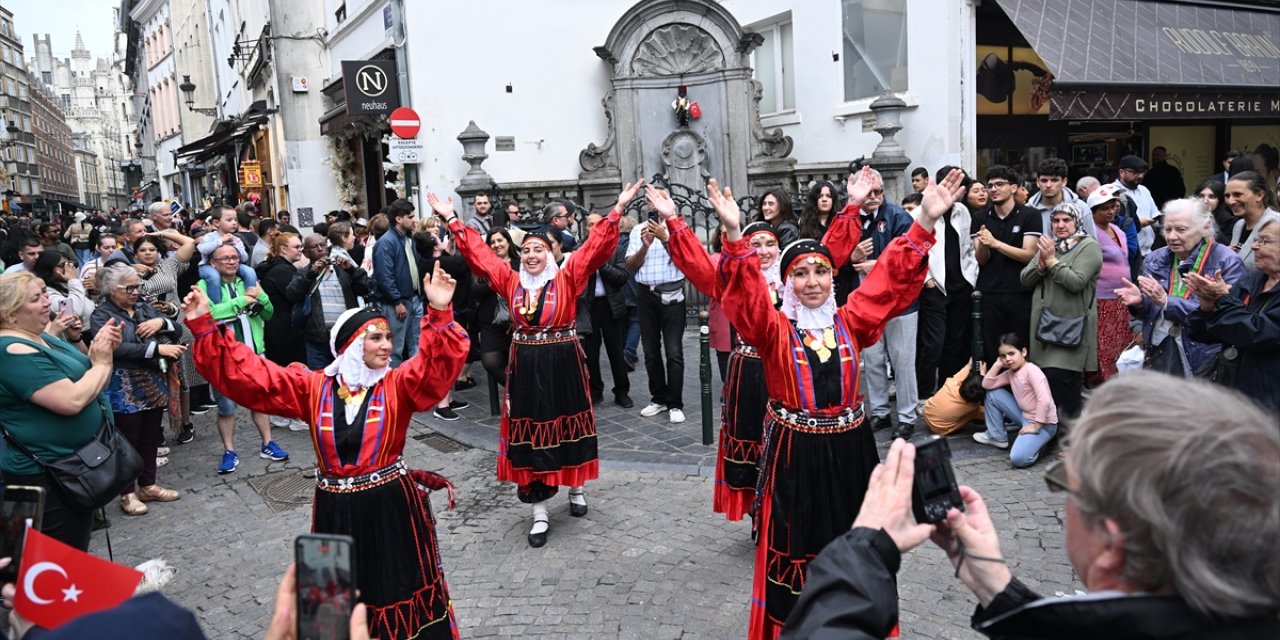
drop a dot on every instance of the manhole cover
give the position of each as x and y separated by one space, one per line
440 443
285 490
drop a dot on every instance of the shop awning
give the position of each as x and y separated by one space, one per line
1143 59
226 131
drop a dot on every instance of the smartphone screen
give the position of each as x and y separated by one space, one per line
326 586
21 508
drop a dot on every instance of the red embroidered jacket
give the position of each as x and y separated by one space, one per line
886 292
559 304
417 384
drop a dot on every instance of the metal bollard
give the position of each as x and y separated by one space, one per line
978 349
494 407
704 372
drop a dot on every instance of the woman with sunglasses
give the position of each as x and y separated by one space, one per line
818 454
139 389
160 271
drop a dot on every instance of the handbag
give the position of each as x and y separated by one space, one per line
94 474
1222 368
1166 357
1060 331
502 314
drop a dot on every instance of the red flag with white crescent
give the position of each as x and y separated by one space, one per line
58 583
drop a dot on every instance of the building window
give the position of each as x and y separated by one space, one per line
774 63
875 47
46 77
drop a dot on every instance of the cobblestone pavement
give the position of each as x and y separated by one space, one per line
650 560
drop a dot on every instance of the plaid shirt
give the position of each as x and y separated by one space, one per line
658 267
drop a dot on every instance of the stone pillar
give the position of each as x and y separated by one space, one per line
477 180
889 158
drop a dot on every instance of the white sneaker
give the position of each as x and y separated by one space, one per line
983 438
652 409
277 421
676 416
298 425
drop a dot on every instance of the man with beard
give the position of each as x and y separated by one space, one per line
1140 205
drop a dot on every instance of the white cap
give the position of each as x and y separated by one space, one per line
361 222
1104 194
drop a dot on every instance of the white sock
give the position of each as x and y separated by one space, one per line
540 519
577 496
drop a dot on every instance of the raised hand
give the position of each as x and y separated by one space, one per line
1153 290
103 347
439 287
196 304
628 192
938 198
860 185
1129 294
1207 291
442 208
862 251
660 201
1046 252
726 208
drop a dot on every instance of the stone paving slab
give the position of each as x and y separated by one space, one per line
649 561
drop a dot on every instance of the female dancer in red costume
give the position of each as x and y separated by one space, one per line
548 433
743 397
359 410
816 460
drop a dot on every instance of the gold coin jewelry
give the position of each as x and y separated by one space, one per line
821 342
349 397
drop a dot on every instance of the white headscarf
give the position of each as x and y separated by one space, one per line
808 319
349 368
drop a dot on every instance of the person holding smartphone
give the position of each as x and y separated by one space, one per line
358 410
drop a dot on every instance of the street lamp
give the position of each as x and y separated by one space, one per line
188 88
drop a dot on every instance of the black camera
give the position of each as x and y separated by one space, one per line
934 491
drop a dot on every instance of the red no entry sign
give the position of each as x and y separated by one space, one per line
405 122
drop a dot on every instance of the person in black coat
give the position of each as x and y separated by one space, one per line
280 332
493 317
311 284
1166 525
607 310
1245 318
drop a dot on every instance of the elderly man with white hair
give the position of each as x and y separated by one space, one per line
1170 519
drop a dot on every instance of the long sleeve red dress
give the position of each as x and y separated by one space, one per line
743 395
547 436
817 457
364 489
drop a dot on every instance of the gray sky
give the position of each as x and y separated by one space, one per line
60 19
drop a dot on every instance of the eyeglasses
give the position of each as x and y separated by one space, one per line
1262 242
227 259
997 185
129 288
1055 477
877 192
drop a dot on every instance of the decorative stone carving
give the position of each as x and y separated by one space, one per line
770 145
677 49
600 160
685 159
473 140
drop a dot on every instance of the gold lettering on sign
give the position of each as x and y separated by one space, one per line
1222 43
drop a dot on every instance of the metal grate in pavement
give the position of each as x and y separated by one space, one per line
283 491
440 443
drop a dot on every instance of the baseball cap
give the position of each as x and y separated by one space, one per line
1133 163
1104 194
361 222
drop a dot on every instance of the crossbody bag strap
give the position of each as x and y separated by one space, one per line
102 399
21 447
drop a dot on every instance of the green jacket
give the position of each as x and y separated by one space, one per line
226 312
1069 289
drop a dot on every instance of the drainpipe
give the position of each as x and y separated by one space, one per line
402 77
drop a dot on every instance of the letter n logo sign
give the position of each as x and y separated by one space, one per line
371 81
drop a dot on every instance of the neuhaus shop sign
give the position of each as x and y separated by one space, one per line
370 87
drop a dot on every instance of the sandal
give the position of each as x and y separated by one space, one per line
157 493
162 461
162 451
131 505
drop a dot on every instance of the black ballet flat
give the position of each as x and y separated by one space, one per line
537 540
577 510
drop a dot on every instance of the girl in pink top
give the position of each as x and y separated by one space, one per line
1018 395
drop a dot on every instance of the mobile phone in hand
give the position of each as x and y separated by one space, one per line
326 586
22 507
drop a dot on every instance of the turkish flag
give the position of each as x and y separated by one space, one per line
58 583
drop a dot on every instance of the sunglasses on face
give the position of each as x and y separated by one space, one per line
129 288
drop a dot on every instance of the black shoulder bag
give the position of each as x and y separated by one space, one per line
95 473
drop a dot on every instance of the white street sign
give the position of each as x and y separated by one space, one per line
411 151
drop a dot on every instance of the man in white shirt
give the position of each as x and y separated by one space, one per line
1132 170
661 305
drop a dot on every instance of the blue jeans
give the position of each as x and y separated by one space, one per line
213 280
631 344
404 332
1002 409
84 256
318 356
226 407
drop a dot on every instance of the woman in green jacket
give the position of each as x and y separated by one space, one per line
1065 276
245 311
